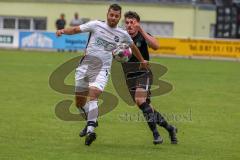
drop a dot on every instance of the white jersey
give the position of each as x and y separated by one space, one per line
102 41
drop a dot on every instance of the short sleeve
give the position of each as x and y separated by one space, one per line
88 27
128 39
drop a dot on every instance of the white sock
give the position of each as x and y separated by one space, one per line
86 107
92 115
90 129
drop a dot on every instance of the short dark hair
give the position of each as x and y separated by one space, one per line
115 7
132 14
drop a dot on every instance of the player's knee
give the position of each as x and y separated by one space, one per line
139 101
94 93
93 98
140 96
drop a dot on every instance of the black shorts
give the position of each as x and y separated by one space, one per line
136 78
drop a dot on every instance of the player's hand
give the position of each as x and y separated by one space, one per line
144 65
136 25
59 32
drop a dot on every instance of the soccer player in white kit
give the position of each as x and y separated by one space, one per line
92 73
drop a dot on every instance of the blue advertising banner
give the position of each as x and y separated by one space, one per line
48 40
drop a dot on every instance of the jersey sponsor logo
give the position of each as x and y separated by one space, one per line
108 46
138 44
116 38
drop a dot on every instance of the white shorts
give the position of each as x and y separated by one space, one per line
85 78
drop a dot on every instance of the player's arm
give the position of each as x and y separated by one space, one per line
138 55
69 31
151 41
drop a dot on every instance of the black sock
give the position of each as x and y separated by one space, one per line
149 116
161 121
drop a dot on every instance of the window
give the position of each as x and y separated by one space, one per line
24 24
9 23
159 28
39 24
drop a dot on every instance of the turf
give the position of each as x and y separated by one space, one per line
204 105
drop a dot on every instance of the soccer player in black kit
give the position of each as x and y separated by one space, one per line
139 81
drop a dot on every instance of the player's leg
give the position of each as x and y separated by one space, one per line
92 116
81 93
148 112
172 130
80 100
96 86
82 82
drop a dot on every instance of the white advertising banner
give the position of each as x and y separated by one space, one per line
9 39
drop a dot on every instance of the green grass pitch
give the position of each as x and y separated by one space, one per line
204 104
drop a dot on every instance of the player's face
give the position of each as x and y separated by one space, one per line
113 18
130 26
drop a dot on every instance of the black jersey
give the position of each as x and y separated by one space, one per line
134 76
133 64
141 43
